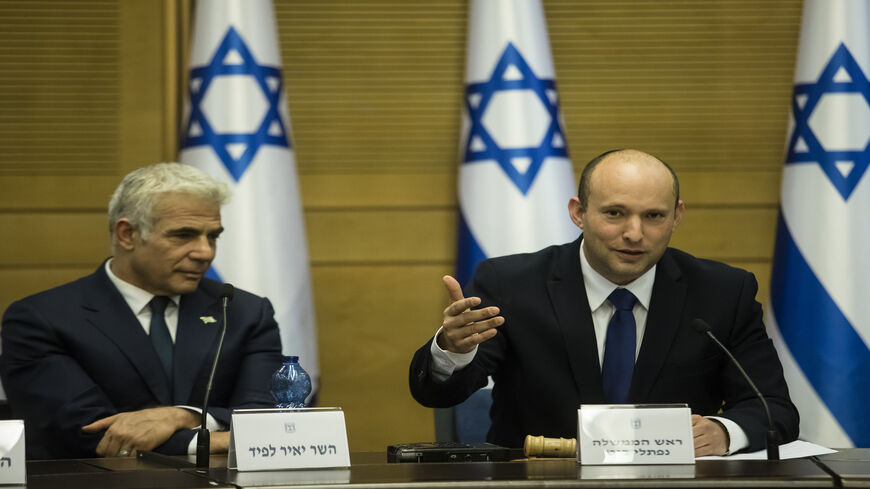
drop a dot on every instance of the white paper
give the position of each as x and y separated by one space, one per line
795 449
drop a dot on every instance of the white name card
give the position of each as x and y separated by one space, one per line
613 434
273 439
12 467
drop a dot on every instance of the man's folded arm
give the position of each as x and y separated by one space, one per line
744 408
751 346
737 439
261 357
44 382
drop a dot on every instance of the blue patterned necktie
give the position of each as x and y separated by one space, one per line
160 336
619 348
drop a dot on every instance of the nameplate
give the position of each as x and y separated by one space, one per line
12 467
274 439
612 434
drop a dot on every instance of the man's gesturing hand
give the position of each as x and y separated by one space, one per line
139 430
465 328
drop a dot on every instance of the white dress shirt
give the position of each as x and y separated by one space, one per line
598 288
138 300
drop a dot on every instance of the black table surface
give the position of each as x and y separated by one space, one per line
110 473
541 473
848 468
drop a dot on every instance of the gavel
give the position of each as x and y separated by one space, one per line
538 446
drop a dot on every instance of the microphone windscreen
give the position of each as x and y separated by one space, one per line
700 325
226 292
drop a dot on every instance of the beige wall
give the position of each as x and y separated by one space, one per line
89 90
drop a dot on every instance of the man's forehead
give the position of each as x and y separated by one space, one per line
627 201
632 161
178 219
639 197
622 175
643 170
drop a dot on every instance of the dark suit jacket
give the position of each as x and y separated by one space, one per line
77 353
544 360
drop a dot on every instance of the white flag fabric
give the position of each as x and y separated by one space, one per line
237 129
515 177
820 314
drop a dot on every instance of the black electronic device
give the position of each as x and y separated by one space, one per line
447 452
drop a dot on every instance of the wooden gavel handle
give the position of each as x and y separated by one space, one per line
538 446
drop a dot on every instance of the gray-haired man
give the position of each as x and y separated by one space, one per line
117 361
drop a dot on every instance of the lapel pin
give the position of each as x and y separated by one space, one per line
207 319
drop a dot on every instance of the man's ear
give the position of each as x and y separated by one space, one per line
125 234
577 212
678 213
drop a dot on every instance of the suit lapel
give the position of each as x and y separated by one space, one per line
568 295
662 324
194 340
106 309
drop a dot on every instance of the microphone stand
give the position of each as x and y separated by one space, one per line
772 436
203 441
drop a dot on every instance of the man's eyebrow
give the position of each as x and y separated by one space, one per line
191 229
183 229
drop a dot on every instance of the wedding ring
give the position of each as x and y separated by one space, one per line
123 453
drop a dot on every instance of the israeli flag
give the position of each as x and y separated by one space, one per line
515 179
237 129
819 287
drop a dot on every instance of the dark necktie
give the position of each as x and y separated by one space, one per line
160 337
619 348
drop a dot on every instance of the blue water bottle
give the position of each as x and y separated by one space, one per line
290 384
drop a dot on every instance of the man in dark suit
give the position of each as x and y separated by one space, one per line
118 361
552 328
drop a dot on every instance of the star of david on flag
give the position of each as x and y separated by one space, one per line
819 315
515 179
521 164
843 165
236 150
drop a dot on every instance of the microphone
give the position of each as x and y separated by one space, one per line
225 293
702 327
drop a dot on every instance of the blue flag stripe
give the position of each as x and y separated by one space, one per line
468 253
835 360
213 274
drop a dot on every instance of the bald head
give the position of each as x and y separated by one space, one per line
623 156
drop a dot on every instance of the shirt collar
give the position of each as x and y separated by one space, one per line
599 288
135 297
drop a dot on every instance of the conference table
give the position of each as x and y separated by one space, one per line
370 470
